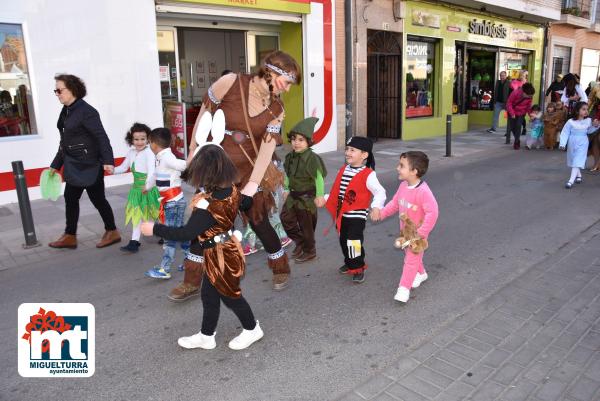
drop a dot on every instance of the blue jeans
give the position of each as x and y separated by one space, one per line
498 107
174 213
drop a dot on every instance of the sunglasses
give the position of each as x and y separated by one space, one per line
58 91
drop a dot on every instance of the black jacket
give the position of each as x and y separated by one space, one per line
82 135
502 91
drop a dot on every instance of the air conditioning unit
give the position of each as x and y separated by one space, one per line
399 9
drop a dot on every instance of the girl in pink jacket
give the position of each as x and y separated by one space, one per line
415 199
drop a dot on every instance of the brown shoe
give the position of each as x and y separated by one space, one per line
65 241
306 257
280 281
183 292
297 252
110 237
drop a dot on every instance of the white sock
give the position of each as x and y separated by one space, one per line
574 174
137 232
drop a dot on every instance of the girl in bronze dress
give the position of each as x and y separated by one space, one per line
254 113
216 244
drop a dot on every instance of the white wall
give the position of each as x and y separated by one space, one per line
111 45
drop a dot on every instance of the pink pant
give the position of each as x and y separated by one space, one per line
413 264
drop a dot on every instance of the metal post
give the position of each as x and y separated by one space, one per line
448 135
24 205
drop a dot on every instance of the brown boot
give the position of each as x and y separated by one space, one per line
110 237
280 281
306 257
65 241
190 287
297 252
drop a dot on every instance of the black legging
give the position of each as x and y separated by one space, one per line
266 234
211 303
516 126
98 199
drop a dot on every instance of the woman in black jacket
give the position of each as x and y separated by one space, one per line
85 153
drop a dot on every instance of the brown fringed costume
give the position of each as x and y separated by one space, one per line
264 118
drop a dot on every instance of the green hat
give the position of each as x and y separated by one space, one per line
305 127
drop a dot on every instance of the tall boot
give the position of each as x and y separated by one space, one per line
278 262
190 287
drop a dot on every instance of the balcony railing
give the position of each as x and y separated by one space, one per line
578 8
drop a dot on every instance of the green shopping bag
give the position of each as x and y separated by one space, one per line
50 185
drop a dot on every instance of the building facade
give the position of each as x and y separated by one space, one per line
145 60
416 62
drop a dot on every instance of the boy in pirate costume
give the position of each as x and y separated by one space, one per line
304 191
348 203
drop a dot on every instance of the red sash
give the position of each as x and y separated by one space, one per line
167 196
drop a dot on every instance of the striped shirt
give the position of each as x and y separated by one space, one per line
373 186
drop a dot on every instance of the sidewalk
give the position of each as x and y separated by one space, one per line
537 338
48 216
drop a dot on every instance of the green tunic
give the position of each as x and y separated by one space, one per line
304 172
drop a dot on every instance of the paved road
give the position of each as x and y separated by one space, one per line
501 212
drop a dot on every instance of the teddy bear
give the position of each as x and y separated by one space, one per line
409 236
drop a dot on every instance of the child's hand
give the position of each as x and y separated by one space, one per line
376 214
147 228
320 201
285 195
596 122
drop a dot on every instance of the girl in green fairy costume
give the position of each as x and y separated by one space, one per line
142 201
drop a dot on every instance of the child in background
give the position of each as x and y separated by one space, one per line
304 173
348 203
142 201
172 202
536 128
552 120
574 137
415 199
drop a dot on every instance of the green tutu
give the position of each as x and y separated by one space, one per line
141 206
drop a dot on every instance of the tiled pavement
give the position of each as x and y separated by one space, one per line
49 216
538 339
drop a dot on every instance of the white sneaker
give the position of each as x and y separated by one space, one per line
402 294
198 341
419 278
247 338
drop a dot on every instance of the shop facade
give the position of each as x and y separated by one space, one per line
160 59
447 61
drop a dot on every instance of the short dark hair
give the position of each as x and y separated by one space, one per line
73 84
528 89
210 169
161 137
417 160
293 134
137 127
225 72
535 107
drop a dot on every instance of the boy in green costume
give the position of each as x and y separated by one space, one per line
304 187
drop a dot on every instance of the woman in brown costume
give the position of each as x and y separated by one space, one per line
254 113
210 228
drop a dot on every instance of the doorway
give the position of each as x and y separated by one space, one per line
384 94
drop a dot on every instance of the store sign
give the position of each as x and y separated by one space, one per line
415 49
488 28
291 6
175 122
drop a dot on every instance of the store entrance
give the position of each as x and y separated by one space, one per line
481 73
384 95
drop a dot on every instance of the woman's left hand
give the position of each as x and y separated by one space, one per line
109 168
147 228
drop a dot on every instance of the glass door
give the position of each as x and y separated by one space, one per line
258 45
168 60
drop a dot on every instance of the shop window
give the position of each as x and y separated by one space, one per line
420 73
481 66
561 60
16 108
513 63
590 61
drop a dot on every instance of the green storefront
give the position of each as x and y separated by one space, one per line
451 61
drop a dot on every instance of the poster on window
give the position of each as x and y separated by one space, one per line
419 78
174 120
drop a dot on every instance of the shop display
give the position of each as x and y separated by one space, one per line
481 67
419 78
